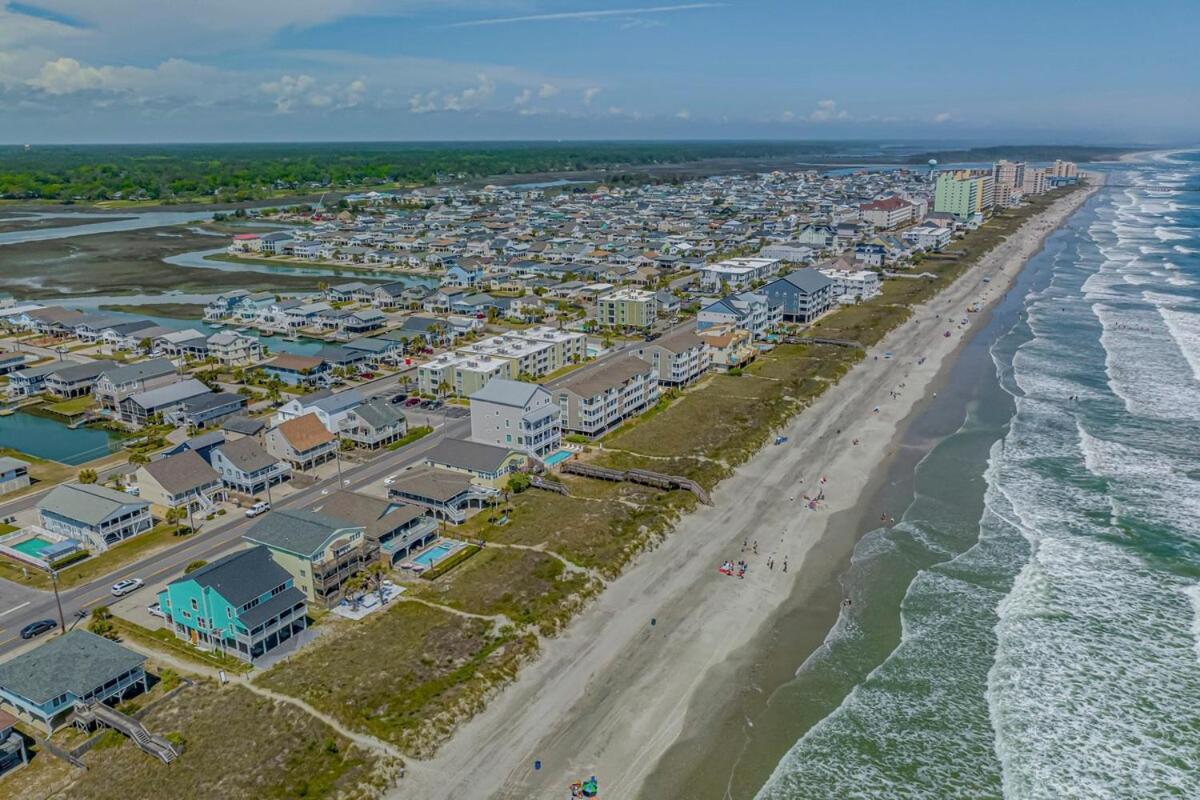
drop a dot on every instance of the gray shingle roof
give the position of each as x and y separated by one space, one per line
247 455
167 395
613 373
154 368
276 605
243 425
807 280
86 503
304 533
368 512
76 662
182 473
242 576
379 413
465 454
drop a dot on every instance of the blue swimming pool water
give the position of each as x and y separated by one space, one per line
433 555
556 457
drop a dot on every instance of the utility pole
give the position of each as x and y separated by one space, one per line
62 623
337 458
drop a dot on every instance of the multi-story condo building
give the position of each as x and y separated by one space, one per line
1064 169
627 307
738 273
888 212
517 415
963 193
599 399
460 374
679 358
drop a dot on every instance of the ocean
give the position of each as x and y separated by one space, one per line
1030 626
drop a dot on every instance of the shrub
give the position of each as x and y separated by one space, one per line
194 565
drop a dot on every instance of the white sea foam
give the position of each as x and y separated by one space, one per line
1184 327
1193 593
1144 367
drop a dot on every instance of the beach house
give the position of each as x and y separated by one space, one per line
320 552
95 515
244 605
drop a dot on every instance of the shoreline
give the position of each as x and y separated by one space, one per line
613 693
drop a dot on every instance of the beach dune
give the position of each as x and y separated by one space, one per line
612 693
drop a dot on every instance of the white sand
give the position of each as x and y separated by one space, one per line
609 696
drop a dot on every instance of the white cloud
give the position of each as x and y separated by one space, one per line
472 97
683 114
423 103
827 111
524 98
589 94
588 15
787 116
944 116
290 91
547 90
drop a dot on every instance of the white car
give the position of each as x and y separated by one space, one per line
156 611
122 588
261 507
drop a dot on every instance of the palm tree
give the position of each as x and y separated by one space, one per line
443 389
87 476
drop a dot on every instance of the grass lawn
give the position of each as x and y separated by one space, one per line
73 407
237 746
529 588
413 434
406 675
114 558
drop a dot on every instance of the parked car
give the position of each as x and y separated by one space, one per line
261 507
38 628
156 610
122 588
412 401
400 398
366 376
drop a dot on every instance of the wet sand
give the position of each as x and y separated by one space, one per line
614 693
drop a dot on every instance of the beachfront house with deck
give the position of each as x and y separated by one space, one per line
244 605
486 465
802 295
320 552
397 529
446 495
517 415
751 311
43 686
95 515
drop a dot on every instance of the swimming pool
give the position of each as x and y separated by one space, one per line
435 554
33 547
557 457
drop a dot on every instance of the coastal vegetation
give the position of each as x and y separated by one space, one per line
427 668
264 749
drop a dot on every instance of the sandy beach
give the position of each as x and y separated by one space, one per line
613 692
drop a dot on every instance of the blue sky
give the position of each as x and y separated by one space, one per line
254 70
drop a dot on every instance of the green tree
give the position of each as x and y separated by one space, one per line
87 475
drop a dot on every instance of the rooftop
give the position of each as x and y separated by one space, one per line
75 663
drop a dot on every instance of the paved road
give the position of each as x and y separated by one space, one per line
158 567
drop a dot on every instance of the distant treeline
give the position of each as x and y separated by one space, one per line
1078 153
253 171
